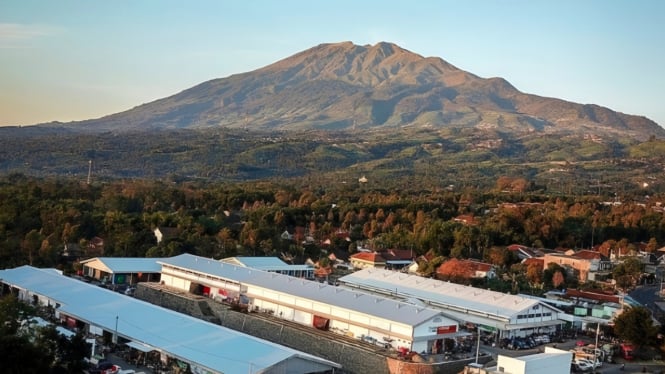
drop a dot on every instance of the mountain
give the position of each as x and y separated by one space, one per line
344 86
336 112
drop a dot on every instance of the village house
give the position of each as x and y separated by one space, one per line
587 264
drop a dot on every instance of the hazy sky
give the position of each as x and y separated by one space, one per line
73 60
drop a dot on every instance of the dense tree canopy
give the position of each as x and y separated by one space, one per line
41 350
636 326
38 217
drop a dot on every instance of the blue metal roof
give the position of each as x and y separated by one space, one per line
373 305
126 265
265 263
208 345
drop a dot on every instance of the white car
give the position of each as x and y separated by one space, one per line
583 365
589 363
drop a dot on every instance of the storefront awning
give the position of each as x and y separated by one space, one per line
532 325
140 346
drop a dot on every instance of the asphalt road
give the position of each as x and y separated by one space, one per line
647 295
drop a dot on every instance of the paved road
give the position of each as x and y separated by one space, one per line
647 295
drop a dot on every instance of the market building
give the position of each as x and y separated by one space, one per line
374 318
504 315
203 346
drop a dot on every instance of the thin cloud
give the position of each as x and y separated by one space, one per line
17 35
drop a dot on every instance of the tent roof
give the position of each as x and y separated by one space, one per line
202 343
363 302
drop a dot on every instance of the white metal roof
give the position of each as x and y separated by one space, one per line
379 306
123 265
264 263
208 345
458 296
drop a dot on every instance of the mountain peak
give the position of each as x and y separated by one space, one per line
367 65
343 85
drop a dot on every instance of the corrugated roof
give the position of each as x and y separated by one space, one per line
264 263
369 257
121 265
440 292
211 346
362 302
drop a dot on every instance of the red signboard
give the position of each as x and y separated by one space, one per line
446 329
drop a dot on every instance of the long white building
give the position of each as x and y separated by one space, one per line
505 314
207 347
373 318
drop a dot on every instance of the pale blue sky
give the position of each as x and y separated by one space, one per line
81 59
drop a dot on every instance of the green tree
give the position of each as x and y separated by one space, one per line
635 325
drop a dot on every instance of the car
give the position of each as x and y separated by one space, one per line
130 291
584 365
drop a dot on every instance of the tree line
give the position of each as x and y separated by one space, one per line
38 217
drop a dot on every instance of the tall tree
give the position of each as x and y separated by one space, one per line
635 325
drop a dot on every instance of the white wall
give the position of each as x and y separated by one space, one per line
176 282
342 321
553 361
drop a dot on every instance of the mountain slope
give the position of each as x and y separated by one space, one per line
347 86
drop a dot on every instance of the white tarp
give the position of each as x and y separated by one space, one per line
140 346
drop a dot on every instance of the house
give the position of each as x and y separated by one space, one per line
467 269
481 269
365 260
588 264
397 258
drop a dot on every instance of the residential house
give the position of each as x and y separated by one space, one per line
589 265
467 269
365 260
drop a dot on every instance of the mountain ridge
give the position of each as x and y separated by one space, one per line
343 86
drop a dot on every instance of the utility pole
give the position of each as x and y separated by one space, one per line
115 335
478 344
89 171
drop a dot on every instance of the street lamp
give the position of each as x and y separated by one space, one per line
595 358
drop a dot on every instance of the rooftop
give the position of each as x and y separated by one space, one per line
440 292
208 345
120 265
378 306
